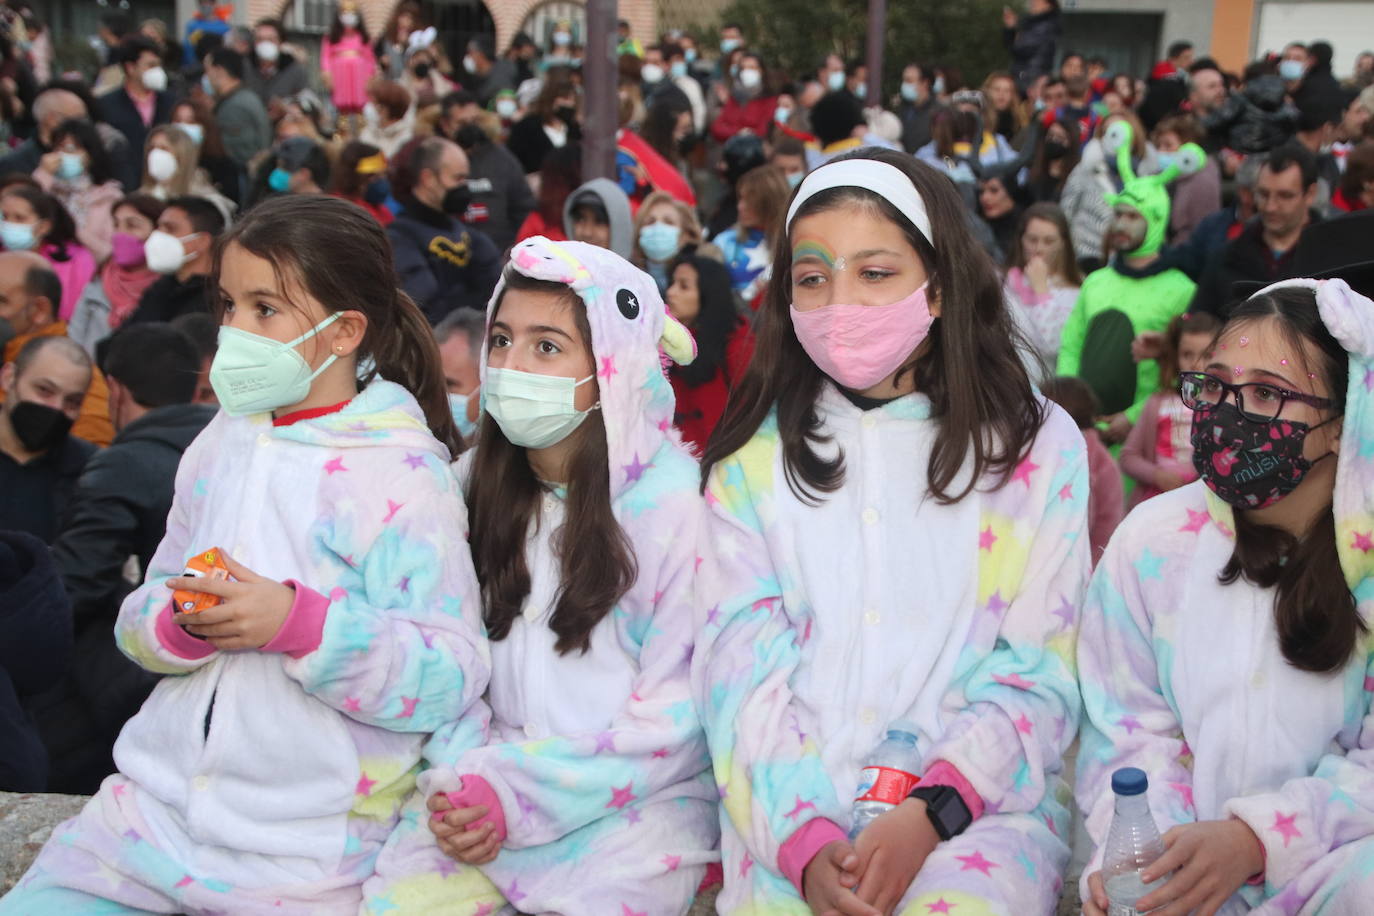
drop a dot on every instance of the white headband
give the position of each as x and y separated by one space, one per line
887 181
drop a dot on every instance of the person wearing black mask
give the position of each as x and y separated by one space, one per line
1054 159
40 460
443 264
501 197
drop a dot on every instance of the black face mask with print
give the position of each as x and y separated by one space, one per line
39 427
1249 464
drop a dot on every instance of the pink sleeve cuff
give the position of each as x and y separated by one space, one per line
802 846
303 628
477 791
945 774
176 640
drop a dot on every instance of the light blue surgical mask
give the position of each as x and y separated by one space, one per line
795 178
677 69
690 54
70 166
279 180
729 44
835 81
534 411
1291 70
458 404
660 241
254 374
862 91
781 114
938 87
1166 159
194 131
909 92
206 86
18 236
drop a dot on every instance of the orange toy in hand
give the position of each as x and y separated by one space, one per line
207 565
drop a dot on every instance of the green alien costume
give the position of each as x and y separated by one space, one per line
1118 302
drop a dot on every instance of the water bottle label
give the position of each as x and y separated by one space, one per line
884 784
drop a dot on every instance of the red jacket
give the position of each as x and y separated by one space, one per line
756 114
699 408
534 225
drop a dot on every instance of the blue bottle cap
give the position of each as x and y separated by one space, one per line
1130 781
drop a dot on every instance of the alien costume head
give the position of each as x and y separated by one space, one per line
1148 194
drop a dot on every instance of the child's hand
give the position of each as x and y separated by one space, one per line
1038 274
1149 345
828 879
1096 904
470 846
891 852
1210 861
1118 428
250 613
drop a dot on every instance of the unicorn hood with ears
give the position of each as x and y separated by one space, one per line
1148 194
629 325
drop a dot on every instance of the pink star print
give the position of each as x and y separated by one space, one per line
365 785
607 367
1185 792
605 742
1023 725
1369 380
415 461
408 705
1024 470
1065 612
1363 541
392 508
976 862
625 910
995 603
660 753
621 797
118 789
1015 680
334 466
986 538
745 865
1066 493
484 909
940 906
404 584
186 881
514 894
1197 520
1130 723
352 704
132 835
800 807
1284 827
672 862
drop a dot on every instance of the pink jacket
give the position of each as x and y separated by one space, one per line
1106 495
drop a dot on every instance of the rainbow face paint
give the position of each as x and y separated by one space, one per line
818 251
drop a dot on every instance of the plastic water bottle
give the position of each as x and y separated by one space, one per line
888 776
1132 844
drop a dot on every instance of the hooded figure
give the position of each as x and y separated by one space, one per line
1138 292
1242 733
603 203
596 775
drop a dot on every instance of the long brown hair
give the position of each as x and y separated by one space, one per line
339 254
979 391
1067 268
768 193
1172 345
595 559
1314 611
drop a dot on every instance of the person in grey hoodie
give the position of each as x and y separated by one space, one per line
598 213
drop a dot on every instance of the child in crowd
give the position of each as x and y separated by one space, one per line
1224 648
266 771
594 793
1158 454
1042 281
899 533
1106 496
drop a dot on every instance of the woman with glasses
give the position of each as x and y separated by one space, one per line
1224 647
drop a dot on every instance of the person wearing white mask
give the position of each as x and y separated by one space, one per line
750 103
171 168
179 249
139 105
274 73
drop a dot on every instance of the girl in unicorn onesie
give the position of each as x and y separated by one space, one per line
899 532
594 793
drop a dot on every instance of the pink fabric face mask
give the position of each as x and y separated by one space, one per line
127 249
860 345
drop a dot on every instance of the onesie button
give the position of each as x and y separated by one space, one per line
872 617
264 439
870 516
200 783
868 716
868 421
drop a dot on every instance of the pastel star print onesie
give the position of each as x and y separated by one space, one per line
833 620
266 781
1183 677
597 764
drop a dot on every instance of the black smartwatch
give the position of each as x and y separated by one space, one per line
945 808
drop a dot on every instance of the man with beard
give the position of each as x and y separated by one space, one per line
1138 292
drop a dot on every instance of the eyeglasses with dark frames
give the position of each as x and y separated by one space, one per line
1258 402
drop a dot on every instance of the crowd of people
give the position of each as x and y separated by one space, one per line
392 519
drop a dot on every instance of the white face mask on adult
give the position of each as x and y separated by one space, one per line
154 79
164 253
267 50
162 165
